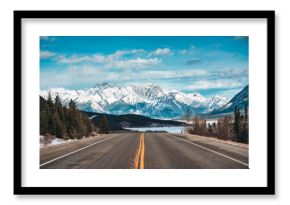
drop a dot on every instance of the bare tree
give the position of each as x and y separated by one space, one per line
187 115
187 118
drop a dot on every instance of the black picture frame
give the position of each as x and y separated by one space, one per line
268 190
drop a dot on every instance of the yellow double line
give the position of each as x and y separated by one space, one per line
139 157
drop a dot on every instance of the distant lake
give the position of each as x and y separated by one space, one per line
171 129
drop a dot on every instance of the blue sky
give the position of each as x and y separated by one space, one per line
210 65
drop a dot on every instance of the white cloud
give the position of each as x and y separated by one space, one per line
46 54
72 76
114 60
161 51
79 59
131 63
143 61
213 84
232 72
174 73
138 51
72 59
110 61
89 75
98 58
120 53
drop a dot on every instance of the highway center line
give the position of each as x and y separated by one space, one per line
142 152
137 156
76 151
211 151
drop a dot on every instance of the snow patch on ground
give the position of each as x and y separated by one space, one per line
48 141
57 141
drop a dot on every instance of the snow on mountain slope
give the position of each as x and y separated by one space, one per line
150 100
216 102
240 100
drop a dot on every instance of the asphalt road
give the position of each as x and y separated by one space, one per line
145 151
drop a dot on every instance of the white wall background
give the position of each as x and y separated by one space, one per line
282 98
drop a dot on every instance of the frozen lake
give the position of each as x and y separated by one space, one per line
171 129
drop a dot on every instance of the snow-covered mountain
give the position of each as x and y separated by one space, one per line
149 100
240 100
215 102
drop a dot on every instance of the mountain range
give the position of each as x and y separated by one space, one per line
149 100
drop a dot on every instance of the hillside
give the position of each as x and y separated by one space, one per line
118 122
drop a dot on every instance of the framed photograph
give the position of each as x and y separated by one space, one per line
144 102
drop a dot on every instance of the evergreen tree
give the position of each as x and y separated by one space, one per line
237 123
246 126
58 126
219 128
57 102
62 122
59 108
44 112
227 127
49 101
89 126
72 105
51 124
246 112
104 127
72 120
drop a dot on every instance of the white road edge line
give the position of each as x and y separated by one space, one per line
212 151
76 151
